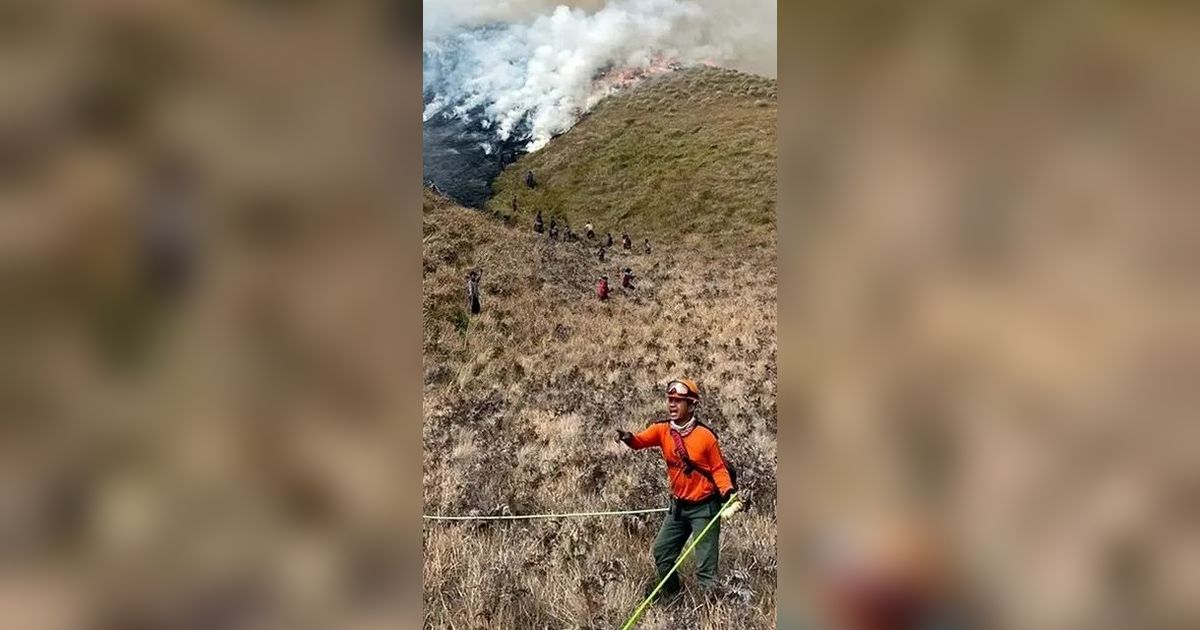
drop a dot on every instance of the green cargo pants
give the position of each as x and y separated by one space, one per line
673 536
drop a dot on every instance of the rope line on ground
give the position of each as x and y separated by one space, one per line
637 613
515 517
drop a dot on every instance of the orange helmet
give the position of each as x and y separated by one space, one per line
683 388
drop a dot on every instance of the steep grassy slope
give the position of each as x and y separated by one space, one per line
521 403
686 153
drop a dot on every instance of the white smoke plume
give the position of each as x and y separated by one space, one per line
527 70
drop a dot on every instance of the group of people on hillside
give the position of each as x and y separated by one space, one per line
602 288
539 226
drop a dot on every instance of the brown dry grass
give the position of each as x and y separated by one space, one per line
522 400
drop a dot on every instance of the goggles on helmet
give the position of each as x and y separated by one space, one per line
679 389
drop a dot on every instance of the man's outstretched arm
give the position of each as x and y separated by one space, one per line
649 437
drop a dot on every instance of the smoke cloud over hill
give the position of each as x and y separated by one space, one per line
525 70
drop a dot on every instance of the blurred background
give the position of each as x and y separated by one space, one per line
210 370
988 340
203 268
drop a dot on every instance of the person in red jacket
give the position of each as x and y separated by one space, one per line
602 288
700 484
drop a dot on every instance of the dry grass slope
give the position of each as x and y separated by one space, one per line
521 401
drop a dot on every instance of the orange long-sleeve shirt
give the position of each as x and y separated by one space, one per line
702 449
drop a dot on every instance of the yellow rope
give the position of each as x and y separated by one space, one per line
531 516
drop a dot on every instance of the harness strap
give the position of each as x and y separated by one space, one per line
688 464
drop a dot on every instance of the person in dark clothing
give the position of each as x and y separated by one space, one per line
514 205
553 229
600 254
627 279
590 232
608 241
602 288
646 246
529 180
626 242
537 223
473 291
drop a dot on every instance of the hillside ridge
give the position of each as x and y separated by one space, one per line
690 152
521 401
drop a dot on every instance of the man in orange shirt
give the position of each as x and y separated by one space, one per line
700 484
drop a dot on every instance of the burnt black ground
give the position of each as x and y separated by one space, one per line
454 159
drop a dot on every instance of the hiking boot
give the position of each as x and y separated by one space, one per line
668 591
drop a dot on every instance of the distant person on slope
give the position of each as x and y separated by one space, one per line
602 288
608 241
473 291
700 484
626 242
553 229
529 181
627 279
600 254
537 222
587 227
646 246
